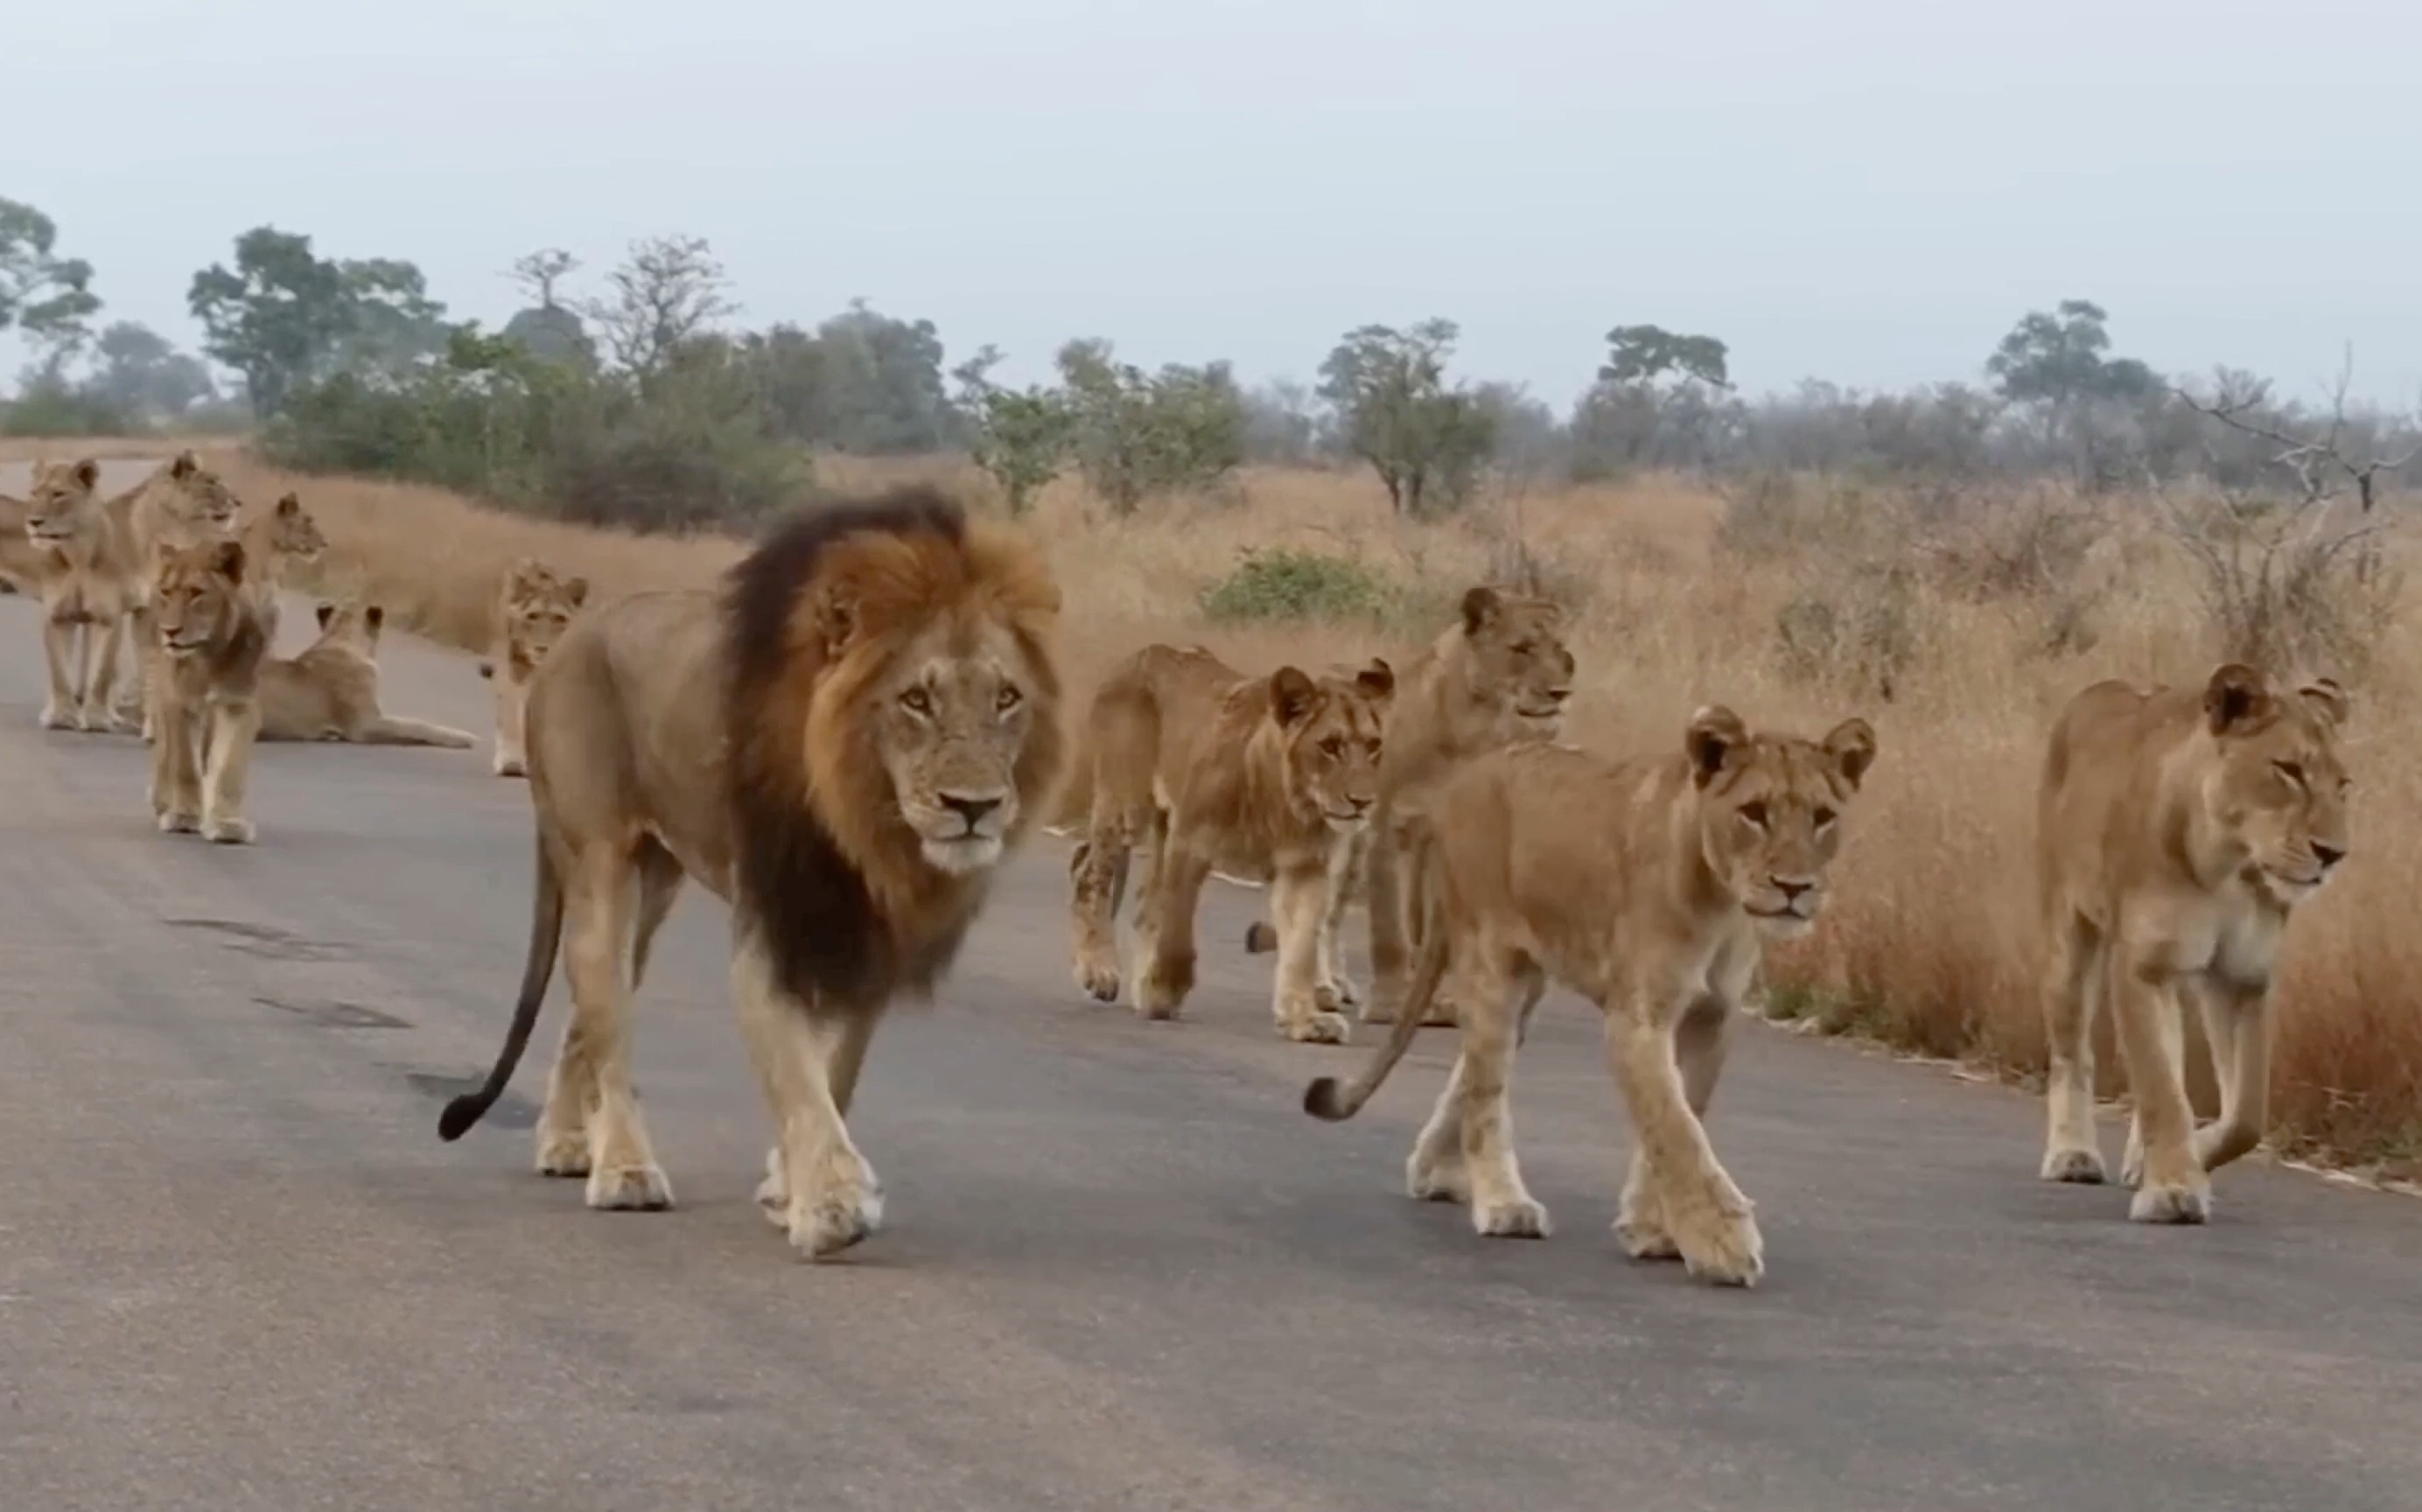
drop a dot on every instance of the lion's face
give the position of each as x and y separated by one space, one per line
538 606
352 625
193 496
1770 812
196 595
952 714
292 532
1328 731
2275 787
1519 661
66 496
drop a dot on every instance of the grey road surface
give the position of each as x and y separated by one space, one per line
1120 1271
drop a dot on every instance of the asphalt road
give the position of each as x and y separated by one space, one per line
238 1269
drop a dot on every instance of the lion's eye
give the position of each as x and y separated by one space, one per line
915 700
1824 816
1007 699
2293 772
1332 747
1754 812
1523 648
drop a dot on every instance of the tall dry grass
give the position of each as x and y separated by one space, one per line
1958 640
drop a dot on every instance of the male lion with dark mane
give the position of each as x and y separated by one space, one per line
843 744
1500 674
2177 829
534 604
1268 778
1648 886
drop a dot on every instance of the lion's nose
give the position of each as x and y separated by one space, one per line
2328 856
1792 887
970 810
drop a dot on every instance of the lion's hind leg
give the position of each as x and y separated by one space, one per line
1500 999
2072 986
1124 743
591 1088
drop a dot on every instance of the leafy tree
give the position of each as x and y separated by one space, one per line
1022 436
2058 357
284 317
142 373
1648 353
546 328
882 380
1425 440
47 296
1142 434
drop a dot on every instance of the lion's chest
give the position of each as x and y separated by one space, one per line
80 600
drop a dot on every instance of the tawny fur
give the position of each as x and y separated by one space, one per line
2177 829
274 539
1268 778
1648 886
534 605
842 744
179 503
1500 674
206 705
91 581
22 564
330 690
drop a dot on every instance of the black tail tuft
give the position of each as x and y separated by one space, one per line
460 1114
1320 1100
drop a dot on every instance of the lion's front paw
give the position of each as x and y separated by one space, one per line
228 830
1512 1217
1162 988
563 1152
1726 1249
55 718
1098 980
1303 1018
842 1216
1437 1181
179 822
1337 995
2172 1202
504 765
2081 1166
636 1186
1640 1227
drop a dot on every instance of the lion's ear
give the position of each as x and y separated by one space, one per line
2234 694
227 557
577 589
288 505
1480 607
2326 698
836 619
1292 695
1378 680
1852 745
1715 732
88 473
374 616
488 670
183 465
324 612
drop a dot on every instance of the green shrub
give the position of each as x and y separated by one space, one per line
1299 585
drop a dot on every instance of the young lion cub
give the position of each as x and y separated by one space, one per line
1648 886
212 646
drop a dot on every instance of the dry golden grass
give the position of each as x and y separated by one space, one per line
1930 940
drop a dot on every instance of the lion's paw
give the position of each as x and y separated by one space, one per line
563 1152
1518 1218
1337 995
1162 988
179 822
1316 1028
1098 981
630 1188
504 765
1645 1238
229 830
2180 1202
835 1221
2080 1166
55 718
1440 1181
1727 1249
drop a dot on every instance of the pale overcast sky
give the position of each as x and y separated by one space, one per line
1866 189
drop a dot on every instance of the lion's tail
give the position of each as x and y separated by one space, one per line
1322 1098
546 933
